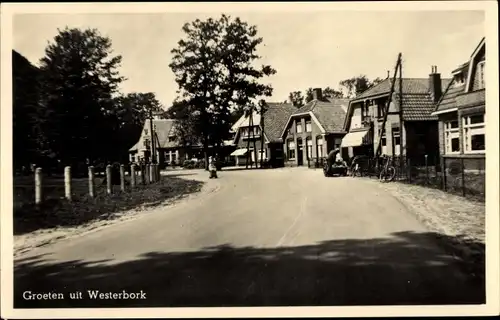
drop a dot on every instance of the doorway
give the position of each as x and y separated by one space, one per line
300 152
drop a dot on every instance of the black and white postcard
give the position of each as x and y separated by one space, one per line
249 159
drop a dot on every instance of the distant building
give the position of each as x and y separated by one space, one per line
275 118
314 129
168 149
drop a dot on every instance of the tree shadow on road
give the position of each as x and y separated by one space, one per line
405 269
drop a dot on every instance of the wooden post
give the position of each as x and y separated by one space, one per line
146 173
67 182
443 172
409 170
91 182
158 172
426 170
463 177
143 174
132 176
122 177
109 186
151 173
38 186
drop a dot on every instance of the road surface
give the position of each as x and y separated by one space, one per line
284 237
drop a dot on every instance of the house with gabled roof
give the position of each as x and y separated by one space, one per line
167 149
461 110
247 130
314 129
411 128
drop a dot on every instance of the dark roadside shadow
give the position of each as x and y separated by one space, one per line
83 209
175 175
405 269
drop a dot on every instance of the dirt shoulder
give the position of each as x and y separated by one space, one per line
64 221
458 222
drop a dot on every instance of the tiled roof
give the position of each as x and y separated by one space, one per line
410 86
329 112
470 99
417 107
448 99
276 118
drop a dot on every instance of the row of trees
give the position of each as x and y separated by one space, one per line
349 88
69 110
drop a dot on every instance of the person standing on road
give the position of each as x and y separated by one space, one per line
212 167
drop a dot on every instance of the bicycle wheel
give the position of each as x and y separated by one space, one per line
390 173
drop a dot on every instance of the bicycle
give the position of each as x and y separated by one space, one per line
388 172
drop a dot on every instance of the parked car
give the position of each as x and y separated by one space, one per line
337 168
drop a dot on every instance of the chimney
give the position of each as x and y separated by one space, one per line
435 85
388 74
317 94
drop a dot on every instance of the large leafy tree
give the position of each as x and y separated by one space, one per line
356 85
80 82
298 100
28 139
215 67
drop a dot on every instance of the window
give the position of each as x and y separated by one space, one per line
146 131
319 146
308 126
299 127
474 133
171 139
396 138
481 74
451 137
309 149
383 143
291 149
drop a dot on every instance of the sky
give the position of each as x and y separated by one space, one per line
308 49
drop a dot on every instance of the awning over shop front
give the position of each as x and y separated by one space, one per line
355 139
239 152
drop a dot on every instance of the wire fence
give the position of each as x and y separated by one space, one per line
457 175
41 187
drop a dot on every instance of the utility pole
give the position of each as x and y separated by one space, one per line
386 111
401 125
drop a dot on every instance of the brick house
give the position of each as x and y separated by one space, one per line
313 130
411 129
275 118
462 113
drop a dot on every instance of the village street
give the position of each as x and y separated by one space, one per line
264 238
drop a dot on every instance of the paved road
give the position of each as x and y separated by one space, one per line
266 238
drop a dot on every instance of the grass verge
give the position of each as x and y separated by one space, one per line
56 212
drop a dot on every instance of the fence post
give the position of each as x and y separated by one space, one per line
426 170
109 186
158 172
122 177
409 170
151 173
146 173
132 176
91 182
443 172
67 182
143 174
38 186
463 177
